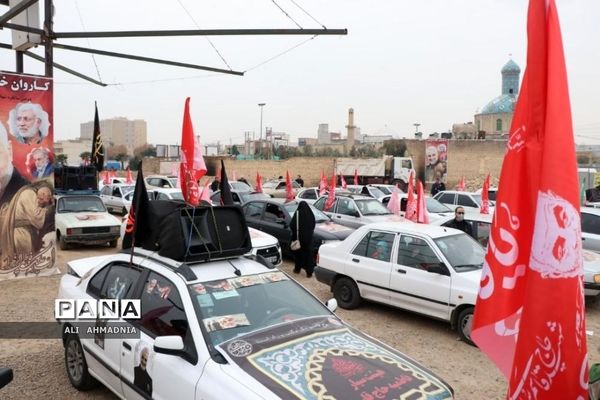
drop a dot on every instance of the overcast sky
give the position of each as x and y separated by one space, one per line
434 62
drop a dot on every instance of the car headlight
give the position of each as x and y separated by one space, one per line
597 278
74 231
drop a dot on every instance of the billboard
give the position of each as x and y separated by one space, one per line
27 240
436 160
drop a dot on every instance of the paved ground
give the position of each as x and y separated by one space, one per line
39 364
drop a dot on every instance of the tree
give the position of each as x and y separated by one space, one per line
308 150
86 156
394 147
234 150
146 150
61 159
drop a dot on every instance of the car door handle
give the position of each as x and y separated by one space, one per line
356 260
582 238
401 271
338 216
127 345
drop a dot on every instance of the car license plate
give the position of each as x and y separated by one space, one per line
272 260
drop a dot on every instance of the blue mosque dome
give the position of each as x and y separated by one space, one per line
505 103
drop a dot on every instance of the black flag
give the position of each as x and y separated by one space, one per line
137 222
97 145
226 198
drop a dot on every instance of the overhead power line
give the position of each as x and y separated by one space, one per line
87 39
307 13
286 14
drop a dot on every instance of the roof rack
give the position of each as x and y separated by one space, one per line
180 268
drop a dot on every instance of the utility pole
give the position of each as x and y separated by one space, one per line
261 105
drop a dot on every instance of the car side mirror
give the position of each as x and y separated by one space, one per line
282 222
356 214
6 376
331 304
438 269
170 345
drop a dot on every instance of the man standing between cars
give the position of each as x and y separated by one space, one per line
438 186
459 222
300 181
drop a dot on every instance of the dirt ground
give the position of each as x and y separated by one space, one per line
39 364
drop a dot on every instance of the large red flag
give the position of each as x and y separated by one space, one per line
259 188
322 184
355 177
485 196
192 163
128 177
530 314
344 184
411 201
461 184
205 194
422 214
289 191
394 203
331 195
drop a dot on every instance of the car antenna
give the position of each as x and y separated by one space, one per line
235 269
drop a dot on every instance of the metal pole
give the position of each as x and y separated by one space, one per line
48 37
19 61
261 105
199 32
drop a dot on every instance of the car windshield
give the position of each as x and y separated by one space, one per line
434 206
270 184
371 207
240 186
376 192
385 189
173 182
319 215
80 204
233 307
127 189
462 251
176 195
247 196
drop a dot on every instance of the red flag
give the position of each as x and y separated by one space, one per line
394 203
485 196
289 191
422 214
106 180
461 184
344 184
530 313
259 188
192 163
355 177
322 184
112 174
331 196
411 201
128 178
205 195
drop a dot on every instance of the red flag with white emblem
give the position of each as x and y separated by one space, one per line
485 196
530 313
192 163
411 201
289 191
205 194
422 214
259 188
331 195
322 184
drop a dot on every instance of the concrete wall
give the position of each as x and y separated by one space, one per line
473 159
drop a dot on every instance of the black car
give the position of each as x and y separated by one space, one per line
274 217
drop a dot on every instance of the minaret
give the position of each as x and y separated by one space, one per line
510 78
351 129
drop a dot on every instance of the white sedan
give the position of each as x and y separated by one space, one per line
422 268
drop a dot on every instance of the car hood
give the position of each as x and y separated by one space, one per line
371 219
321 357
261 239
332 231
83 220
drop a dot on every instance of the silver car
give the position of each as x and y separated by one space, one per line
113 197
355 211
590 228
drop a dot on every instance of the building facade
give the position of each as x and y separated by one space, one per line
72 148
118 131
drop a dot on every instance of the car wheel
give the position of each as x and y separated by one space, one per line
346 293
76 365
464 324
113 243
62 243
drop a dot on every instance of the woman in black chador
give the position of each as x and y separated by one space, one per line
303 228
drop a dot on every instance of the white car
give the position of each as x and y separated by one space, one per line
590 228
367 190
223 330
164 194
470 201
435 209
83 219
113 197
354 211
160 181
276 188
422 268
311 194
481 224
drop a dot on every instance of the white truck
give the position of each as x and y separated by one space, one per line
387 169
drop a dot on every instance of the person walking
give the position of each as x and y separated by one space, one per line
300 181
459 222
303 227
